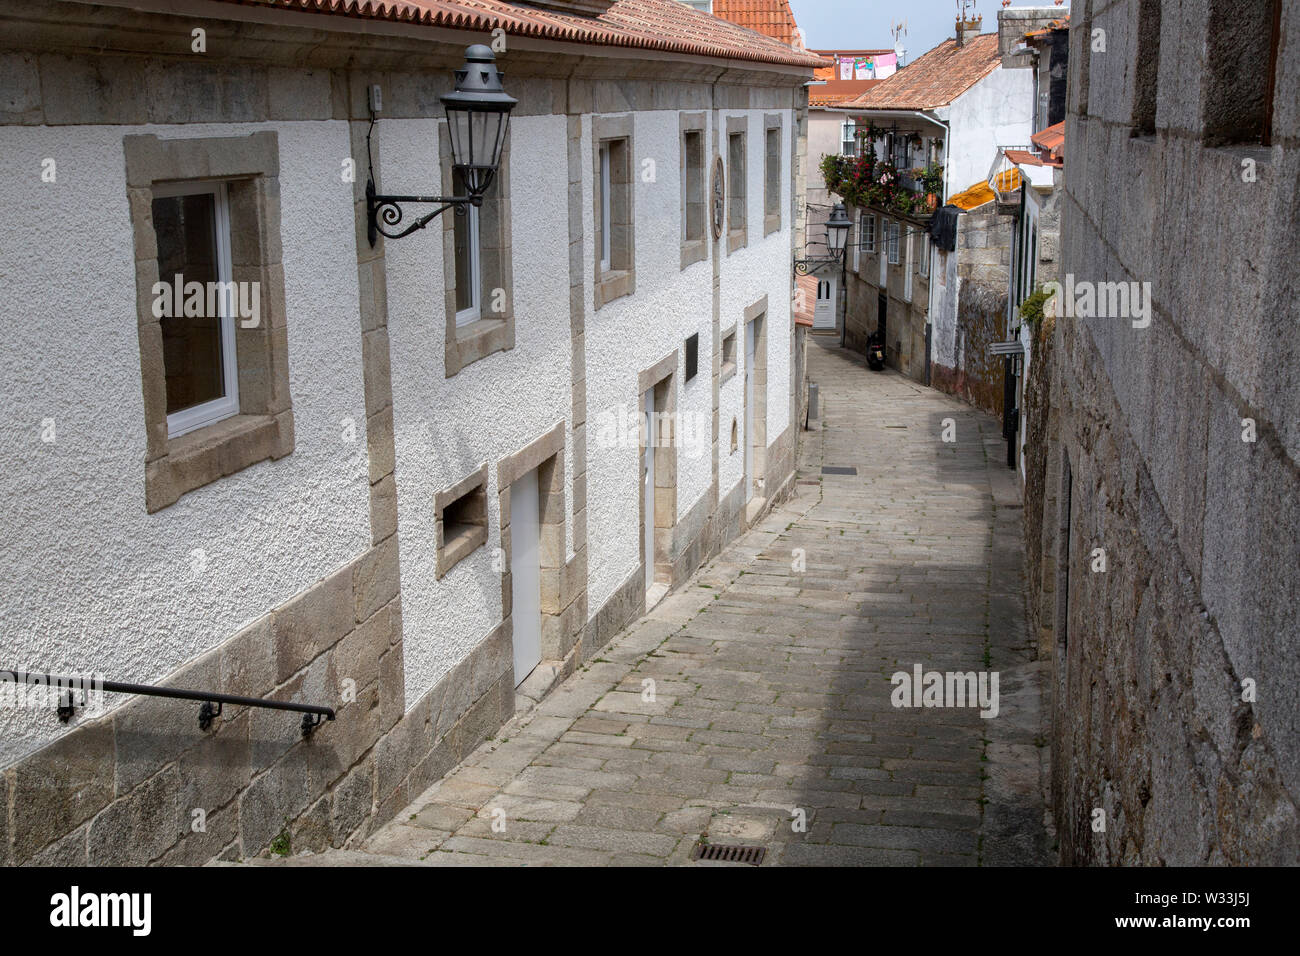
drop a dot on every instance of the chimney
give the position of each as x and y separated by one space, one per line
968 29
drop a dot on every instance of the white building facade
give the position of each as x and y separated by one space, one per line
408 478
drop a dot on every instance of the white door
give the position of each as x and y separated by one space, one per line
751 329
648 486
525 575
824 311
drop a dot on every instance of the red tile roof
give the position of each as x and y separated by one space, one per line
1051 141
1061 24
839 93
642 24
836 92
936 78
805 300
772 18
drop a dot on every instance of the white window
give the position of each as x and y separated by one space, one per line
606 220
907 269
925 254
848 138
469 277
192 223
857 245
868 232
704 6
893 243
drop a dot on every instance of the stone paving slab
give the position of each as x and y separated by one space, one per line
771 721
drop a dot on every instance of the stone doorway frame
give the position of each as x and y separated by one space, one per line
546 454
758 440
662 377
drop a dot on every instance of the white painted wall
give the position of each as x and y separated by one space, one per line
763 268
631 334
445 428
92 582
996 111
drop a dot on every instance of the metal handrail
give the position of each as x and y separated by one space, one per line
312 714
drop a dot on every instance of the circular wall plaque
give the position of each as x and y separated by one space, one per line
718 206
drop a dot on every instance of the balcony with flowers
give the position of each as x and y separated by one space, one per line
864 181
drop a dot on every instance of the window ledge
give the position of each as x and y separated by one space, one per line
737 239
477 340
202 456
459 541
771 224
693 251
614 285
727 372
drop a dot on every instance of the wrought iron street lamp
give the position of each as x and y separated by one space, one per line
837 235
837 230
478 115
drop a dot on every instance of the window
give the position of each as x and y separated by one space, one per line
728 366
694 200
214 364
772 175
612 172
461 520
469 278
704 6
893 243
907 268
867 229
857 245
606 205
737 208
924 267
478 276
848 138
200 368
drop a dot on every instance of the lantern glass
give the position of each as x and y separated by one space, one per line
478 115
837 230
477 138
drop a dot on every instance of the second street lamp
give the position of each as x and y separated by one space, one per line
837 230
478 115
837 236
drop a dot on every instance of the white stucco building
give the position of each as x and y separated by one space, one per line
414 478
952 109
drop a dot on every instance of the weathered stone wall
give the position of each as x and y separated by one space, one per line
905 344
983 270
1174 448
981 321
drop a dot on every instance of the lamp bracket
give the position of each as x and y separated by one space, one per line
384 211
803 267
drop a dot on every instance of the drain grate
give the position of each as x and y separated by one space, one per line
729 853
839 470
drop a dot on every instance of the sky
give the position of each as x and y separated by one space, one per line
864 24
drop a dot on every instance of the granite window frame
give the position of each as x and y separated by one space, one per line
737 183
728 364
615 134
493 331
263 427
773 166
467 501
694 248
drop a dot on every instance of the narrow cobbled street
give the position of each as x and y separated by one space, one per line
769 720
